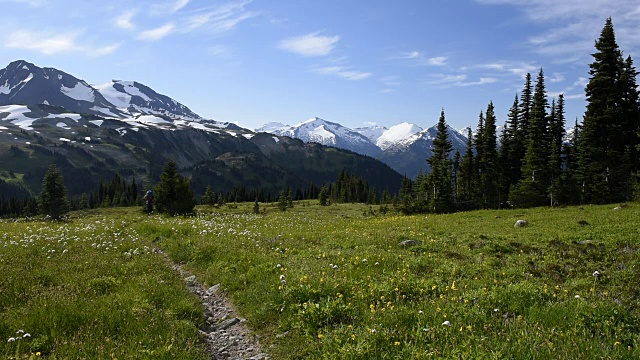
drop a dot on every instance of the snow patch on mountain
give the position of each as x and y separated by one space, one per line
396 134
272 127
80 92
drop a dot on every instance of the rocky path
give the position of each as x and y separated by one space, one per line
228 336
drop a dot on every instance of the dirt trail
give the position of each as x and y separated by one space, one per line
228 336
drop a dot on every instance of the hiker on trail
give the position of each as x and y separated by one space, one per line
148 199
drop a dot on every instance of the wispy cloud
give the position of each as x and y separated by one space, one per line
422 59
519 69
157 33
391 80
310 44
50 44
342 72
557 77
219 18
168 7
459 80
179 4
572 25
124 21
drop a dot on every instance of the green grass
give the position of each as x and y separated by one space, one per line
349 292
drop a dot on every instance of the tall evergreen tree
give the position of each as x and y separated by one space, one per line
173 194
467 176
488 161
53 197
531 189
510 162
604 168
556 134
441 200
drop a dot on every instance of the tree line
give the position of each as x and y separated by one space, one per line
533 164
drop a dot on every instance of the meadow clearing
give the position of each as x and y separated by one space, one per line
327 283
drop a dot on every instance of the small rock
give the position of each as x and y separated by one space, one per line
190 279
583 223
617 208
409 243
214 289
227 324
521 223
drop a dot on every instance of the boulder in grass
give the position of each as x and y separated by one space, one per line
409 243
521 223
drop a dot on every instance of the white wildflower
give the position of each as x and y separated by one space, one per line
446 323
596 273
11 339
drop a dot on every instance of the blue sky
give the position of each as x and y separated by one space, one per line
352 62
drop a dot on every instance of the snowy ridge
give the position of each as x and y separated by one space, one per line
396 134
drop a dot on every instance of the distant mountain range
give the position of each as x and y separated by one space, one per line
94 131
405 147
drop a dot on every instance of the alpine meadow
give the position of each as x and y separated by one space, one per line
133 228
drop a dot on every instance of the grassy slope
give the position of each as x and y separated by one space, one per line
507 293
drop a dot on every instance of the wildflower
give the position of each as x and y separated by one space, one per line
320 336
279 266
425 330
335 266
20 332
26 335
596 273
373 331
397 343
420 312
11 339
364 260
446 323
377 263
577 296
65 251
284 282
38 353
282 277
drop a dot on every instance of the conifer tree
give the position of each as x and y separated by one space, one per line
323 196
467 175
441 200
531 189
510 163
556 135
604 165
487 162
53 197
173 194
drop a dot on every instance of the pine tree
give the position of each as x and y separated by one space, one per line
487 163
441 200
209 197
466 179
531 189
603 170
323 196
256 206
53 197
173 194
555 167
509 162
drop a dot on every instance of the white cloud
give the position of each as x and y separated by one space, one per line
411 55
42 42
557 77
219 18
50 44
157 33
572 25
310 44
446 81
437 61
391 80
105 50
179 4
516 68
342 72
124 21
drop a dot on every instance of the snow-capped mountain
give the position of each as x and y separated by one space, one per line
410 155
405 147
326 133
34 89
396 134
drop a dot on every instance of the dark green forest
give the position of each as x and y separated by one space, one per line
533 163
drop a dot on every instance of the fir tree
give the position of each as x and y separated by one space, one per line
466 179
53 197
173 194
323 196
604 151
556 134
441 199
487 163
209 197
531 189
